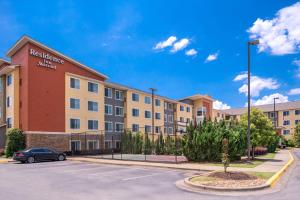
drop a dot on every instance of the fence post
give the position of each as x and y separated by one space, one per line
112 147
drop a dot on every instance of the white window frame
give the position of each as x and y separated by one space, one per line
170 132
148 112
159 116
116 111
289 122
93 122
138 128
71 123
75 104
75 84
111 92
148 98
112 127
93 83
8 101
137 110
170 117
138 97
165 117
75 141
119 123
93 103
157 100
111 109
97 144
9 125
120 92
9 80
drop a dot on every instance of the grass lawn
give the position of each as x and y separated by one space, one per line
242 164
262 175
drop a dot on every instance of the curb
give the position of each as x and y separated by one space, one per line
273 180
269 183
139 163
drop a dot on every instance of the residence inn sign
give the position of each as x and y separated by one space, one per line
47 60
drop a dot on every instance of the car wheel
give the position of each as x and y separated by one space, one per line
61 157
30 159
22 162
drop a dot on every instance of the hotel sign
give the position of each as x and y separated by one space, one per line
47 60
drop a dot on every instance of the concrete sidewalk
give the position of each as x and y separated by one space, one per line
271 165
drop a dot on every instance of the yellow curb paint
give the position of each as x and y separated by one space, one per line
273 180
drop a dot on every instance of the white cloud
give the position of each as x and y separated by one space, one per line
294 91
219 105
297 63
257 84
166 43
211 57
270 99
280 35
241 77
183 43
191 52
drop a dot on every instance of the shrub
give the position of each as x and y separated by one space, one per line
297 135
15 142
2 152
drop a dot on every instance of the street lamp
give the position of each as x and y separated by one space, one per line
254 42
152 101
274 114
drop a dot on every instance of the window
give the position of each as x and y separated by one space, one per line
108 92
8 101
297 112
92 106
119 127
170 130
157 129
92 87
75 123
135 127
74 103
297 121
75 145
119 95
119 111
166 105
170 106
108 109
157 102
181 119
92 144
135 97
147 100
286 132
170 118
166 118
188 109
188 120
75 83
135 112
93 124
108 144
157 116
9 122
147 129
9 79
286 113
181 108
108 126
286 122
147 114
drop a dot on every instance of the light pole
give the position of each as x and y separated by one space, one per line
274 114
152 101
254 42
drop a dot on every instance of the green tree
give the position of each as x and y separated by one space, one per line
297 135
261 129
15 141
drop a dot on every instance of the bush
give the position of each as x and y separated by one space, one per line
297 135
2 152
15 142
290 143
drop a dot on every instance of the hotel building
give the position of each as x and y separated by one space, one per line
286 117
61 103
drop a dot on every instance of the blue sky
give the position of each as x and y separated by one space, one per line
128 41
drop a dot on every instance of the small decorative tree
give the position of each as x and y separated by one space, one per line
15 142
297 135
225 155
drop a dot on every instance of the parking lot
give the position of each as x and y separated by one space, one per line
75 180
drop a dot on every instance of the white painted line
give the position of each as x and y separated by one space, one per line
78 170
138 177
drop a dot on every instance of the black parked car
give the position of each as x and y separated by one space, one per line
38 154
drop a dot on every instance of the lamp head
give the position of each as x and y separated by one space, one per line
254 42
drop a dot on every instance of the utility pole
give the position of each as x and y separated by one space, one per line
274 114
152 101
255 42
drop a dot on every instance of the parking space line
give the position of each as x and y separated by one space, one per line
139 177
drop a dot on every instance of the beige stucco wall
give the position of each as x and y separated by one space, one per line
142 106
84 95
184 113
218 115
12 91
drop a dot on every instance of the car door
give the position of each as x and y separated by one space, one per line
50 155
38 154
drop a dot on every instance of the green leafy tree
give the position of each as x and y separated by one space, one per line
15 142
297 135
261 129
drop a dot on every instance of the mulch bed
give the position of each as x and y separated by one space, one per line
230 180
